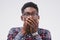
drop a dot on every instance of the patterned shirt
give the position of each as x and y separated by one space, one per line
14 34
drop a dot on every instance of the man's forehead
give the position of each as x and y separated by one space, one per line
30 9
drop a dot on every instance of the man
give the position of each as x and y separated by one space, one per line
30 30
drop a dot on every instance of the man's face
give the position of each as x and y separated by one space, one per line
30 18
30 12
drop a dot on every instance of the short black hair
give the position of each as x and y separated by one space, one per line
29 4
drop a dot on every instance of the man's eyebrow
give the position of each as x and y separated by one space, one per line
31 12
26 13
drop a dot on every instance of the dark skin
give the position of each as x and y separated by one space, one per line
31 19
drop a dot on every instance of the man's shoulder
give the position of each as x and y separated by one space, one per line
43 31
14 29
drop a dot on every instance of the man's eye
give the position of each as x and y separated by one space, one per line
35 14
25 14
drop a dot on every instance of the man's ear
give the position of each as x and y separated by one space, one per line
38 17
22 18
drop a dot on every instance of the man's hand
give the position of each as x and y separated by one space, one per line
30 25
33 23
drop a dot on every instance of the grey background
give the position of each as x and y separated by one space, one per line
49 11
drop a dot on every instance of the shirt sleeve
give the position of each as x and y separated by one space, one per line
48 35
37 37
18 36
10 35
43 35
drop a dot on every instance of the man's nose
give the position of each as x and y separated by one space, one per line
30 16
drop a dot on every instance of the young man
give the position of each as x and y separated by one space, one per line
30 30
